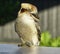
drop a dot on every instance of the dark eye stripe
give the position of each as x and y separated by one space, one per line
23 10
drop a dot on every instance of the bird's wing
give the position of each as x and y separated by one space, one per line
37 23
16 29
38 30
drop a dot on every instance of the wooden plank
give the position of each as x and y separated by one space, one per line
58 20
45 20
54 21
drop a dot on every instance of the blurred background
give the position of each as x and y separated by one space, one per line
49 13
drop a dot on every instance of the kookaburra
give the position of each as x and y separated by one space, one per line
27 25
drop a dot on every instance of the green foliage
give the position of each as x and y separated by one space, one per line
55 42
47 40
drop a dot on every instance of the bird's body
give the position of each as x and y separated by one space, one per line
26 28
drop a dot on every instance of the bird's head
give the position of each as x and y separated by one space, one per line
29 7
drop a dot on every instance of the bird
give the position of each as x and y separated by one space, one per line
27 25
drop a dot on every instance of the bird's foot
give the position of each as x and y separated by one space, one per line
19 45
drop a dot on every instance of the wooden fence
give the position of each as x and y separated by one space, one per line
49 21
